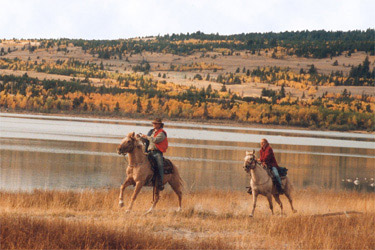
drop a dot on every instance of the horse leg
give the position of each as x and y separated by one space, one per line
138 187
156 193
127 183
176 186
255 196
277 198
269 198
287 194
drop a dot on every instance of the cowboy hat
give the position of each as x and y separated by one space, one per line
157 121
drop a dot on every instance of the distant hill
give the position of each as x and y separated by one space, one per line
315 44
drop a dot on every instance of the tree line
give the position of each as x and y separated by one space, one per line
315 44
144 97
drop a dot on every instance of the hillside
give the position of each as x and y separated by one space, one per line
329 85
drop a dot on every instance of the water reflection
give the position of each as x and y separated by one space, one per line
23 170
358 184
105 132
70 153
251 130
46 164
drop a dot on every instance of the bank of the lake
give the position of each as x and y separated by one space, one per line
208 121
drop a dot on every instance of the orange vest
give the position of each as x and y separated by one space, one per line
162 146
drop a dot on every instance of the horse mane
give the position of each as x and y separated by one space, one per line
137 140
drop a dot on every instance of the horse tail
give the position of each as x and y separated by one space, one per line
289 185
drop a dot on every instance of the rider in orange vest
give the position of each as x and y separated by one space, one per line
158 144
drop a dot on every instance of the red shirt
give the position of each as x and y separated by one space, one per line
267 156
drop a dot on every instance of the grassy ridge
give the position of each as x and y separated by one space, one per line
210 220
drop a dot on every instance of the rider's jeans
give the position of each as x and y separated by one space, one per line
276 173
159 160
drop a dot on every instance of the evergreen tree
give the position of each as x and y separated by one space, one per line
149 107
282 91
312 70
117 107
139 105
223 88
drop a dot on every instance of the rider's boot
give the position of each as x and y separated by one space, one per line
249 191
160 184
279 188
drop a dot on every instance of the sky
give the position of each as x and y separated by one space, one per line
121 19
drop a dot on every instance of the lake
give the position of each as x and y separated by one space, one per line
70 153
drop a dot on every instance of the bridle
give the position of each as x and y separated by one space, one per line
131 145
129 148
251 164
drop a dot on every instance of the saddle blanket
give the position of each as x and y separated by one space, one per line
167 164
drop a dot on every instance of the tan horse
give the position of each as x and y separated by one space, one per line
261 183
139 172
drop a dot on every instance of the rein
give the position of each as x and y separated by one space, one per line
137 164
134 164
257 163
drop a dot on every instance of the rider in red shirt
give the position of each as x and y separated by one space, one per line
267 158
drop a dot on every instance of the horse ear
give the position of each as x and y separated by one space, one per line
253 151
131 135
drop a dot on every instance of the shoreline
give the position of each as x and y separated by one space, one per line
210 122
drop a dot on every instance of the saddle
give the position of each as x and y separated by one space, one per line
167 165
282 172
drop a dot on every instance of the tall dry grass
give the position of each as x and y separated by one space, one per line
37 233
210 219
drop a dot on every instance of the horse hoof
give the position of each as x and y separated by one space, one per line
178 210
251 216
148 211
127 211
294 211
121 204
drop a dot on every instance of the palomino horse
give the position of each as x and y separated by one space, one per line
139 172
261 183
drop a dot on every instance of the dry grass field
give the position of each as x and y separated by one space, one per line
211 219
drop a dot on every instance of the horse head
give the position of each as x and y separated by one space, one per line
250 161
128 144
